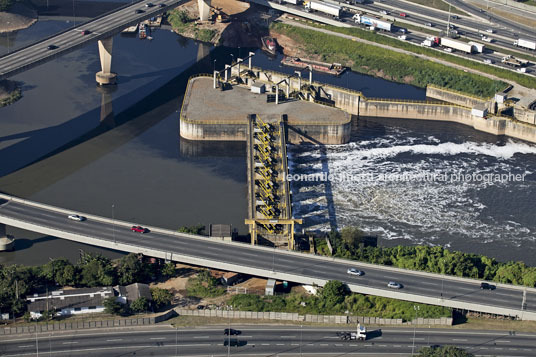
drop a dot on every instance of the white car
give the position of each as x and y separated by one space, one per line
447 49
383 12
403 37
354 271
488 61
490 30
76 217
394 285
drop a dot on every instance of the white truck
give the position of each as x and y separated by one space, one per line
531 45
477 47
294 2
360 334
372 22
456 45
326 8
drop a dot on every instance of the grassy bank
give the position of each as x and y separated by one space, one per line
399 67
438 4
184 24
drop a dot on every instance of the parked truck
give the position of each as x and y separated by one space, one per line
360 334
531 45
326 8
511 61
456 45
373 22
477 47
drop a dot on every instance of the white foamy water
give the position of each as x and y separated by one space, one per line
434 212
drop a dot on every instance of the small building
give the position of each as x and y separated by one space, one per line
222 231
258 88
479 111
231 278
128 294
69 302
501 97
270 287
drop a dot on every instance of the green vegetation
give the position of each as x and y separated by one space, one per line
6 4
113 307
182 23
161 297
347 244
528 2
204 285
440 5
12 97
197 229
443 351
400 67
139 305
169 270
334 298
16 282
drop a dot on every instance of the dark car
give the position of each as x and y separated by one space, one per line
161 5
139 229
231 331
200 307
51 47
486 286
85 32
231 342
139 11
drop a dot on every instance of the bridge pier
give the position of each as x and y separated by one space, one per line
204 9
6 243
106 76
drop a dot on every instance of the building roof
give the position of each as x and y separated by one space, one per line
134 291
71 298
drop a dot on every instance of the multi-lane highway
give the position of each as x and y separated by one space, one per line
264 341
69 40
261 261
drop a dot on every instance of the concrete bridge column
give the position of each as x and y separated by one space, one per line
299 79
215 79
251 54
239 60
288 86
277 94
204 9
105 76
226 68
6 243
310 75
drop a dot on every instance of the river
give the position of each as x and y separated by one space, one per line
117 152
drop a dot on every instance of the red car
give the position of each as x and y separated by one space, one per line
139 229
403 14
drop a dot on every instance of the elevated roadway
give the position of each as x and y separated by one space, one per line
267 262
100 28
264 341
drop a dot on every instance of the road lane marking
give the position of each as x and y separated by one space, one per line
503 341
459 339
201 336
26 346
157 338
265 344
69 343
116 339
287 336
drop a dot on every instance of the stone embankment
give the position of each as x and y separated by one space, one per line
18 17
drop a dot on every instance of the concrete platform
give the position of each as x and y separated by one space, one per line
212 114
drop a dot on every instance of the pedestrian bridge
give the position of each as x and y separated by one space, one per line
267 262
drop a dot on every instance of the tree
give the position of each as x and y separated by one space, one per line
161 297
96 270
111 306
139 305
197 229
351 236
169 269
444 351
130 269
334 293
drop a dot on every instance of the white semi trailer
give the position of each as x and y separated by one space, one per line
372 21
531 45
456 45
326 8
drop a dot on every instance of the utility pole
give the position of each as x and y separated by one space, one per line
416 308
113 222
301 338
229 334
36 342
448 23
176 341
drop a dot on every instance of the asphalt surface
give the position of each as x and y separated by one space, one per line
264 341
100 28
251 257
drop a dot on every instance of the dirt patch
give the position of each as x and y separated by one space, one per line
19 17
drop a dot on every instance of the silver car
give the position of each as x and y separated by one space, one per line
76 217
394 285
354 271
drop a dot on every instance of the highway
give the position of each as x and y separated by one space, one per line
69 40
264 341
267 262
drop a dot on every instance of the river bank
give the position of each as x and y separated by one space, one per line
19 17
9 93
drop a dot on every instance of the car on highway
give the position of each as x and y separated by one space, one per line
161 5
139 11
403 14
394 285
429 24
354 271
488 61
403 37
490 30
231 331
85 32
149 4
139 229
51 47
447 49
233 342
383 12
487 286
454 17
76 217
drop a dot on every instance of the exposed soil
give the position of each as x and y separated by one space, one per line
18 17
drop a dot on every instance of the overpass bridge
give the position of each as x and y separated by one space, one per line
101 30
267 262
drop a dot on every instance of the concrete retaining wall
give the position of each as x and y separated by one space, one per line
327 319
457 98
